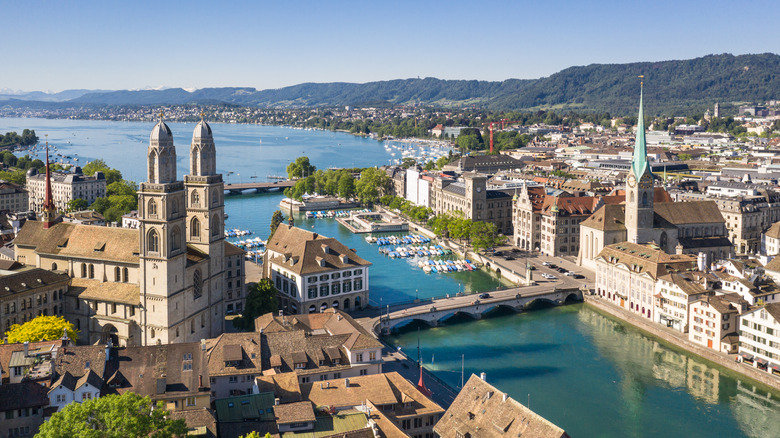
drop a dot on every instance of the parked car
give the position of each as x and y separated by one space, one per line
578 276
546 263
562 270
570 274
484 296
553 266
509 258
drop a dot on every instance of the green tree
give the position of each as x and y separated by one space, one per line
484 235
372 184
255 434
15 176
113 416
685 157
276 220
122 188
300 168
346 185
77 204
260 300
112 175
41 328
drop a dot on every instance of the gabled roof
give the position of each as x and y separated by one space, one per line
691 212
646 259
122 293
304 252
81 241
773 231
607 218
480 410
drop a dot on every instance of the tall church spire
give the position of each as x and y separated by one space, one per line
49 212
639 164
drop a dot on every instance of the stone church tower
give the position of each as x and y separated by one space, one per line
639 188
163 258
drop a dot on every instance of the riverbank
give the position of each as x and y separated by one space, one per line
675 339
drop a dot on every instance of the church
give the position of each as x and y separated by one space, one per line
164 282
674 227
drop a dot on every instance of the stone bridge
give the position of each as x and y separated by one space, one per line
440 310
237 189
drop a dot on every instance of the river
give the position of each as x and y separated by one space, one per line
588 373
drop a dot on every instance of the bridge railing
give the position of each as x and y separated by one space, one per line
400 305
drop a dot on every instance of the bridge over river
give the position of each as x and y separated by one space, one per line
253 187
432 312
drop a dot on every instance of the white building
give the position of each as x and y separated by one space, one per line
713 322
65 187
759 337
675 292
418 188
313 273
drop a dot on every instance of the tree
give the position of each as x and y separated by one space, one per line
346 186
484 235
113 416
300 168
260 300
254 434
112 175
41 328
77 204
684 157
276 219
372 184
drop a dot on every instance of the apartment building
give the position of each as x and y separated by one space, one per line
65 188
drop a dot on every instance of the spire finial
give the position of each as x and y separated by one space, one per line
641 81
161 116
202 115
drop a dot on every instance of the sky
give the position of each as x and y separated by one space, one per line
58 45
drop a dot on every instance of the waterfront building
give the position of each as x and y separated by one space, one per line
550 224
481 410
687 227
27 293
160 283
713 321
65 187
674 294
13 197
469 195
759 337
313 273
627 273
418 187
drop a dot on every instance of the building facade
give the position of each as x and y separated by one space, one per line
30 293
13 197
65 187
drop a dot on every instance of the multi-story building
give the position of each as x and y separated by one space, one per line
21 409
65 187
313 273
746 217
713 321
770 241
626 274
471 197
26 294
674 293
235 291
550 224
759 337
163 282
13 197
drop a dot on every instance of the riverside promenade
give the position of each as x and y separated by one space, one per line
679 340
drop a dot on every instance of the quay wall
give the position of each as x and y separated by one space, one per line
681 341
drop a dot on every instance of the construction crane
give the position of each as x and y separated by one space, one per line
491 124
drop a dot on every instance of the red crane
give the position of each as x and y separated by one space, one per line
491 124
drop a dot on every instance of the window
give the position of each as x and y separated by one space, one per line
363 372
323 277
194 227
336 288
125 274
233 379
372 355
215 226
358 271
324 290
60 398
190 401
83 270
359 357
175 239
86 396
312 292
152 207
196 284
152 241
175 207
195 198
358 283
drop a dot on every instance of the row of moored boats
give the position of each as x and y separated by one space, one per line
235 232
398 240
333 213
411 251
434 266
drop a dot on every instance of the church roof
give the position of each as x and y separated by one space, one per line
607 218
123 293
82 241
639 163
202 130
691 212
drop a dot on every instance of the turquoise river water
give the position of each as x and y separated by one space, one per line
590 374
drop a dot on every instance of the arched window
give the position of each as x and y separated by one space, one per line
644 199
117 274
152 207
91 270
195 198
83 270
176 239
194 227
197 285
153 241
53 266
125 274
215 225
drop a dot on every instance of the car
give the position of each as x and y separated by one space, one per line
552 277
562 270
533 268
509 258
578 276
570 274
546 263
515 250
552 266
484 296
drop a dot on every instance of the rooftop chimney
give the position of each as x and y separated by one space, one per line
346 383
203 344
483 376
26 348
504 397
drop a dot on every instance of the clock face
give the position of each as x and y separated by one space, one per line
631 180
646 182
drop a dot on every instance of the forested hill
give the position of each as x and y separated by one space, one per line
671 87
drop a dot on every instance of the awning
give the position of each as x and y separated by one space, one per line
746 356
776 368
762 361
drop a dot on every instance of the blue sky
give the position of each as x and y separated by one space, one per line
57 45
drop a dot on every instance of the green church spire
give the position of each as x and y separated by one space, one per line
639 163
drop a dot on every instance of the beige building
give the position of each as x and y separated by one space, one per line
471 197
714 322
161 283
27 293
65 188
313 273
13 197
21 409
235 268
674 294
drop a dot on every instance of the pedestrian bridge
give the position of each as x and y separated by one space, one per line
439 311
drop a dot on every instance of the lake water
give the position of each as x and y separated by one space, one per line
588 373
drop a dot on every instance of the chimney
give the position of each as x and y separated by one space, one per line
346 383
26 348
203 345
504 397
327 384
701 261
276 402
483 376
